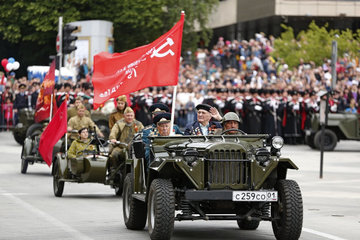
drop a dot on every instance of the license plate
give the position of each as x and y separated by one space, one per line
255 196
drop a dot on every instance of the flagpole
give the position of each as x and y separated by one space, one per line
173 112
51 106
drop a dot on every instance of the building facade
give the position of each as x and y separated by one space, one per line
241 19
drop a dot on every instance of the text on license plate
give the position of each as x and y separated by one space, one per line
255 196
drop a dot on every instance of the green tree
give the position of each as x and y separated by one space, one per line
32 26
314 44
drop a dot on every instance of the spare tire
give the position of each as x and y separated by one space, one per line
330 140
34 129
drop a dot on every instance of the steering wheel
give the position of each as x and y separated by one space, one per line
233 129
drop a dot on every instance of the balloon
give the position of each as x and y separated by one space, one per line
11 60
9 67
4 62
16 65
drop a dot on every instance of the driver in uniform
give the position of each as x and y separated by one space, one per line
230 121
123 131
80 144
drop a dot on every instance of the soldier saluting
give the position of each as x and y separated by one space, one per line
204 125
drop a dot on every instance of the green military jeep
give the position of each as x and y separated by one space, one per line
340 126
26 119
219 177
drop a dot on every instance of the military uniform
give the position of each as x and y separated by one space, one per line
77 147
124 133
114 117
72 112
77 123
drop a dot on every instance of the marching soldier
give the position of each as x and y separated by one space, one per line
252 112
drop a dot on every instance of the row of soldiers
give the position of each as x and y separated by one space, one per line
276 112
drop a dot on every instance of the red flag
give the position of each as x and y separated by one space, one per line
53 132
155 64
42 109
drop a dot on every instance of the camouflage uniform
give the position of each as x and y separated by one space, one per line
76 123
114 117
78 146
124 133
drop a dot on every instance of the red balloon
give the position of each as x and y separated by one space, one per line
4 62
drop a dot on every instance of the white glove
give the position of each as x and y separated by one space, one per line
258 108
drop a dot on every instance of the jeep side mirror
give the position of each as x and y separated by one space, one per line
139 148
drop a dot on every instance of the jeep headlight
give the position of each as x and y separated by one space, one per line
262 155
277 142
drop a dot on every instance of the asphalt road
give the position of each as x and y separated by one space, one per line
29 209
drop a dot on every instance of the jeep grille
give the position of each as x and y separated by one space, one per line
226 168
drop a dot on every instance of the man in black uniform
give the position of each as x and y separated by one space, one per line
21 101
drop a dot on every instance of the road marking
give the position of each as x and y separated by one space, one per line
73 232
326 235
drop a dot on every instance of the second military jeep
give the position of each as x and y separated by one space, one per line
340 126
223 177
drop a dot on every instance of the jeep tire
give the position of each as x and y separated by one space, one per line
35 128
248 225
330 140
287 213
134 210
58 185
161 209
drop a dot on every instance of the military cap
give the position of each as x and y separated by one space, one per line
121 98
85 96
67 85
162 118
81 129
252 90
128 110
203 106
22 85
158 107
79 98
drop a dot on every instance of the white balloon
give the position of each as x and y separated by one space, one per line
9 67
16 65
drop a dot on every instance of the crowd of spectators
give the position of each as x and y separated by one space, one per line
232 76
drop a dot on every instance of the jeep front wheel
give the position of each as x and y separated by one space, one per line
161 209
287 212
134 211
248 225
330 140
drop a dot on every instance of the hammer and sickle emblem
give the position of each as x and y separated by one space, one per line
156 53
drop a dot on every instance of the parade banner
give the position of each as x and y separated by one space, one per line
52 133
155 64
43 103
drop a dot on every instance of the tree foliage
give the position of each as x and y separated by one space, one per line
315 44
136 22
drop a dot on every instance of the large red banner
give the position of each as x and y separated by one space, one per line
43 102
155 64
